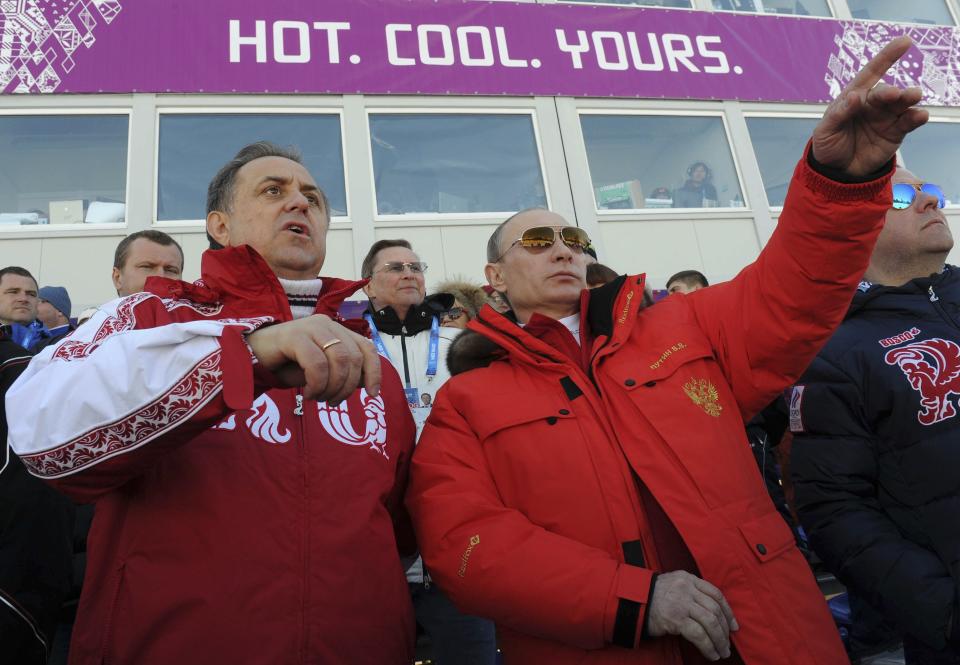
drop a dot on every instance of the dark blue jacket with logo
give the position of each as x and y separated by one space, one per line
876 453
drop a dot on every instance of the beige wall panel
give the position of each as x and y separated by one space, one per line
23 253
194 244
465 252
726 247
83 266
656 248
427 242
954 257
339 261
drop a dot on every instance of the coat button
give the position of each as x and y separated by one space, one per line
564 412
629 382
761 548
552 420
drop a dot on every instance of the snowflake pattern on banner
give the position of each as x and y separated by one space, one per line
933 64
39 38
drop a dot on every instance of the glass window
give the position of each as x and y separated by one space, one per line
193 147
933 12
455 163
778 144
792 7
686 4
930 154
646 161
63 169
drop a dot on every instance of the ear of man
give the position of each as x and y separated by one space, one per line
218 226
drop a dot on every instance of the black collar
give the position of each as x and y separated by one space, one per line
418 319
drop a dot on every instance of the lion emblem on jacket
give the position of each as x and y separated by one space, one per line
933 369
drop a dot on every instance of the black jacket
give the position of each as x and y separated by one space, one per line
35 541
876 453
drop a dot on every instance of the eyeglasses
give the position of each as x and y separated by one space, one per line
905 193
453 313
540 237
397 267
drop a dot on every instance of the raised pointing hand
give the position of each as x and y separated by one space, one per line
863 127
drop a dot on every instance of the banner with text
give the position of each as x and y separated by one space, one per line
450 47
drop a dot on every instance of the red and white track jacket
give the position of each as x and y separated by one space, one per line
234 523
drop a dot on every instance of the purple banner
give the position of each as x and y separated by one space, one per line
467 47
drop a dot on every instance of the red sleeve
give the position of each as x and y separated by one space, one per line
768 323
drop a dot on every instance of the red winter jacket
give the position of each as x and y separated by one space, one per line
226 531
547 492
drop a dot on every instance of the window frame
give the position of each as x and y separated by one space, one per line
608 214
692 7
774 115
83 228
434 109
188 224
950 10
831 7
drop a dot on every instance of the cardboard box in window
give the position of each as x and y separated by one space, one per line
620 195
66 212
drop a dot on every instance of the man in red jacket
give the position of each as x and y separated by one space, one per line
246 458
584 478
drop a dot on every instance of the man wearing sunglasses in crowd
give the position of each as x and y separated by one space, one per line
405 325
584 478
875 425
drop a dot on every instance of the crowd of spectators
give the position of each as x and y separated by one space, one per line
233 471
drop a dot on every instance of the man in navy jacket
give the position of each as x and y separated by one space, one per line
877 426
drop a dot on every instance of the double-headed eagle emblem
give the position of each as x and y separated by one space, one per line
704 394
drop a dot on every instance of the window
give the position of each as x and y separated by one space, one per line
455 163
778 144
792 7
930 154
649 161
193 147
685 4
62 169
932 12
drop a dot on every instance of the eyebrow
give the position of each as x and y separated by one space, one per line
307 187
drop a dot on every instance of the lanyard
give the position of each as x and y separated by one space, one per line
433 356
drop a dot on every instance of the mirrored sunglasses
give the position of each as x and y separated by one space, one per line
416 267
541 237
453 313
904 194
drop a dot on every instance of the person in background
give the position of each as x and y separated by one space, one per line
599 274
698 190
53 311
468 298
875 432
145 254
686 281
405 327
35 520
18 307
496 299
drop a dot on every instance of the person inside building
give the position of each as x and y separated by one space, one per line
247 451
875 423
698 190
686 281
405 327
145 254
584 478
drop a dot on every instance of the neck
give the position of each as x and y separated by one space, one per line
555 312
898 274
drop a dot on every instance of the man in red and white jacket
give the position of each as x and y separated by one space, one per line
247 452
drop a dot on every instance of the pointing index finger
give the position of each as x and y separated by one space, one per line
874 70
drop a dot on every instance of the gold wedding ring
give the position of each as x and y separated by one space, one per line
326 346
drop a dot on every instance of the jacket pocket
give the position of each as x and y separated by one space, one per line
508 411
767 537
106 648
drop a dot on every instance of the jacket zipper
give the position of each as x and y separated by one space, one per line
403 349
304 537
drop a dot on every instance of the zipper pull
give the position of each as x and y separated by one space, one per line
933 296
299 410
